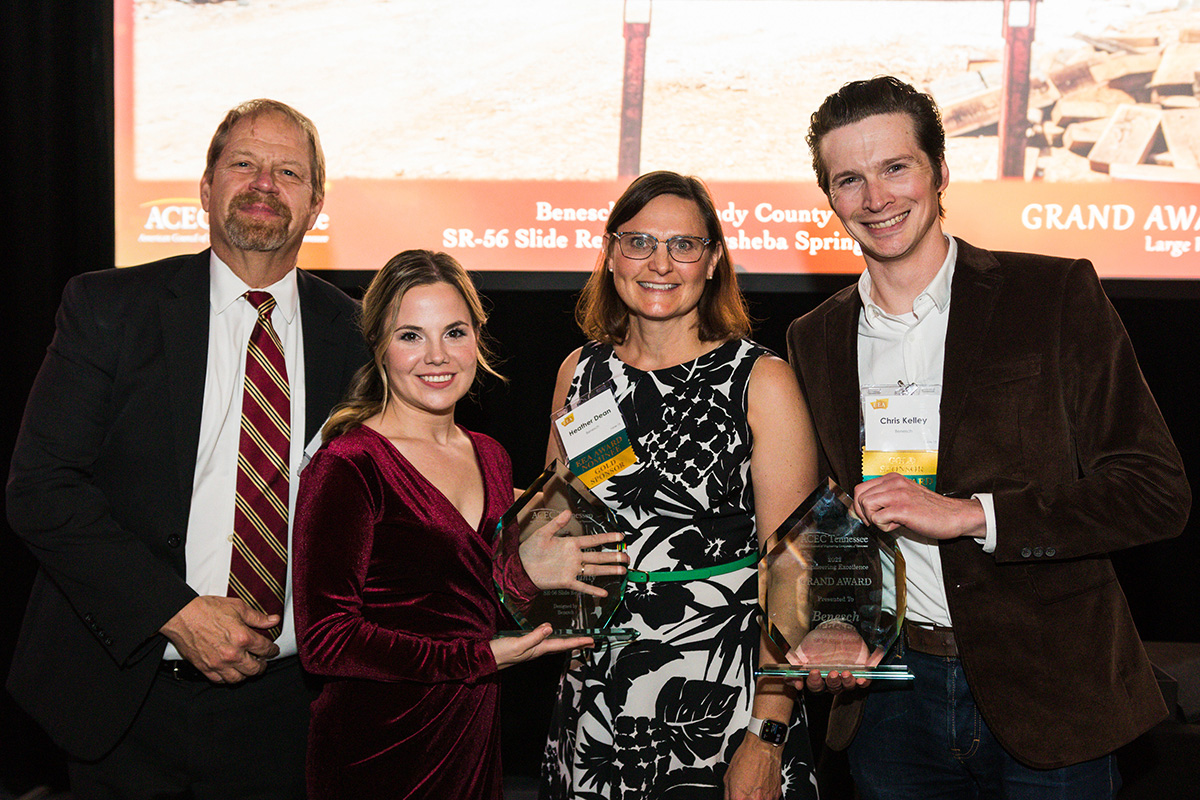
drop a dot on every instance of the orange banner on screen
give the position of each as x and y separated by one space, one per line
1128 231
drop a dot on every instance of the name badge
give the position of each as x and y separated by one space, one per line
592 437
900 426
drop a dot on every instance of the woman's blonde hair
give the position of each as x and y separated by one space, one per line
368 392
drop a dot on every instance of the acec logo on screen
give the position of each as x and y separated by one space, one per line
175 214
184 214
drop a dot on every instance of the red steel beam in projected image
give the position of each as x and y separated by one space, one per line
1018 25
637 29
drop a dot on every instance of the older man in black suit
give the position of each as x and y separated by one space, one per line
154 478
1051 454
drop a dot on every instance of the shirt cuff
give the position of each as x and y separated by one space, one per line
989 516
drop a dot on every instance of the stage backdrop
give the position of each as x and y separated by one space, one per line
502 132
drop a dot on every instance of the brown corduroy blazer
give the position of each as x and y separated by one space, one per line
1044 406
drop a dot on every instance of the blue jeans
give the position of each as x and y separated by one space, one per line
926 740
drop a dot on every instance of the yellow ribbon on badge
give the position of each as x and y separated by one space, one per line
599 474
916 465
602 462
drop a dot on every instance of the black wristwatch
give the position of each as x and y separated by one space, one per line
768 730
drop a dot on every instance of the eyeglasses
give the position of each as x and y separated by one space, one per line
639 246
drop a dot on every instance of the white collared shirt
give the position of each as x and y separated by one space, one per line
911 348
231 319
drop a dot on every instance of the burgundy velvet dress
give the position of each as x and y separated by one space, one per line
395 606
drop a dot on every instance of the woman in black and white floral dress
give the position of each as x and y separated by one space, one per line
725 450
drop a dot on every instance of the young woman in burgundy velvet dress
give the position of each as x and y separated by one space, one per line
394 532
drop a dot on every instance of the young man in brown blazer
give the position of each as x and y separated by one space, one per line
1051 454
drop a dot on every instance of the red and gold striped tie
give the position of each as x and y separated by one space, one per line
258 570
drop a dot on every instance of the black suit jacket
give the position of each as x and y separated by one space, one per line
101 482
1044 406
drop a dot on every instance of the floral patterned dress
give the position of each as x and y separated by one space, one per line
662 716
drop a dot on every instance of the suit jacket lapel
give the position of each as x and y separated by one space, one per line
840 334
325 351
973 295
184 316
184 313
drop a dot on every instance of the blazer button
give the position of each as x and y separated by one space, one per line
1026 552
1037 552
174 540
1050 551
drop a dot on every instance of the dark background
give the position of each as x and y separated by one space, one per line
56 211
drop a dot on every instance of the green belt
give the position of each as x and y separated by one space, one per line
637 576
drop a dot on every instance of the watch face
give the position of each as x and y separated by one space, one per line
773 732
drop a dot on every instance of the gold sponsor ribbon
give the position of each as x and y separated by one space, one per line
916 465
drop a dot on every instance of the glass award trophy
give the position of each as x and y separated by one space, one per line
571 613
833 589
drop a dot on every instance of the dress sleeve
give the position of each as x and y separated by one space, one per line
508 571
332 539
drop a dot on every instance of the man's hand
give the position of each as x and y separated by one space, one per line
561 562
892 501
223 637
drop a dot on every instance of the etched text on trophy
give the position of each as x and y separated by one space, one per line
830 588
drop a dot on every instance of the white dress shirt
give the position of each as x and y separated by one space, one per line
231 319
911 348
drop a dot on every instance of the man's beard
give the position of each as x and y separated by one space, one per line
253 234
